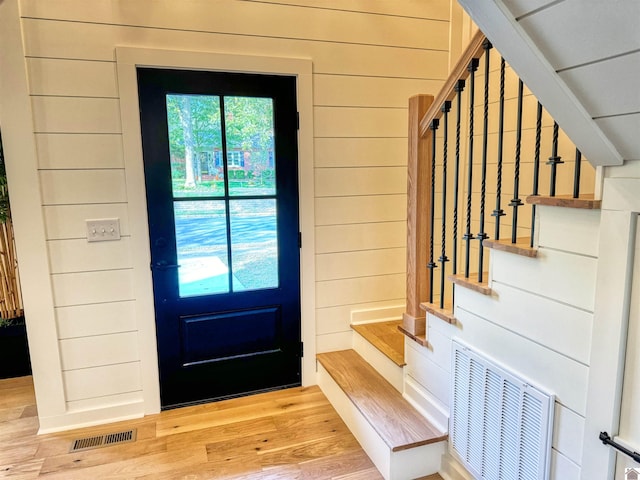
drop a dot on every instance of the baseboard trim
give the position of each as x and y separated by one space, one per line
90 418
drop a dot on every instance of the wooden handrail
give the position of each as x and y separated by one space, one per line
459 72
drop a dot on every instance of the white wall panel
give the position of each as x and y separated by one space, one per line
332 342
63 187
338 90
67 256
360 122
564 377
331 266
622 130
597 77
365 209
105 402
568 433
87 352
254 19
588 36
572 230
338 182
562 468
360 152
76 115
557 275
97 319
60 151
92 287
438 9
72 78
432 377
559 326
102 381
361 236
56 39
68 221
359 290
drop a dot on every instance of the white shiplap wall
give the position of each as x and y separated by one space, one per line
367 60
537 322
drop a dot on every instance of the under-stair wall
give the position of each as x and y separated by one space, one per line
537 321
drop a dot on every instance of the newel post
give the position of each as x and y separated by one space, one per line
418 184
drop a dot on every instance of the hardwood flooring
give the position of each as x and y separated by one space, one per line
285 435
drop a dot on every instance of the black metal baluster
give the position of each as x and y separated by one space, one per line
431 265
516 202
498 212
468 236
459 88
536 170
486 45
554 160
576 174
443 258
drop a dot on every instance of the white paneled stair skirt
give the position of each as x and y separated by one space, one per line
501 425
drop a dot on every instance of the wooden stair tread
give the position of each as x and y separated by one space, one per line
386 337
445 313
397 422
420 339
583 201
472 282
521 247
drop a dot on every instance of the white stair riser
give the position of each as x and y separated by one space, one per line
391 372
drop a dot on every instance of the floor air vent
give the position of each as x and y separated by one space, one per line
103 440
501 425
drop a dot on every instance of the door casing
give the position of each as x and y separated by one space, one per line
128 59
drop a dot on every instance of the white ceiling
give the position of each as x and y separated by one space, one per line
587 51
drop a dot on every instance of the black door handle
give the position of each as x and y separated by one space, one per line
162 265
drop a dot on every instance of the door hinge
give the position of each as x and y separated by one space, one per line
299 239
298 120
302 349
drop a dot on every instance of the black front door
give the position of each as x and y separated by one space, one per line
221 172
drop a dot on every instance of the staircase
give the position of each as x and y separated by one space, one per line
519 291
364 385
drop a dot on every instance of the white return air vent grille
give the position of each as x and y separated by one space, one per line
501 426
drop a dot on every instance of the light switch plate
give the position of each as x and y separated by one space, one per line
103 229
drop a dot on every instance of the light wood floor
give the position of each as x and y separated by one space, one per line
290 434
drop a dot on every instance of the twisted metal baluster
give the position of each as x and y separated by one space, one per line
468 236
554 161
443 258
431 265
536 170
576 174
516 202
459 88
498 212
486 45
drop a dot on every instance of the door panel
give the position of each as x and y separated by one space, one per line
220 157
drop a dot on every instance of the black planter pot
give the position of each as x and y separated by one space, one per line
14 352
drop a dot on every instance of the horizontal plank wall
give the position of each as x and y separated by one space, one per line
367 60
